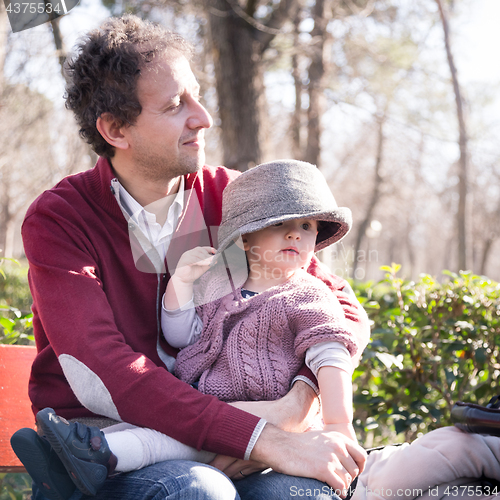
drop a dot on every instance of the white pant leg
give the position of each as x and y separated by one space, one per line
137 447
445 456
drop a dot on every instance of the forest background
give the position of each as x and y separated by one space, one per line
394 105
391 106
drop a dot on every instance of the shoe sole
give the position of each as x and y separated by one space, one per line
87 476
472 418
29 448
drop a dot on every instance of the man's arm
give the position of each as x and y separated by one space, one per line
327 456
109 356
294 412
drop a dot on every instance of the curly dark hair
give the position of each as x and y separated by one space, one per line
102 74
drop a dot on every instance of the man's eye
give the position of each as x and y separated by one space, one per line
175 105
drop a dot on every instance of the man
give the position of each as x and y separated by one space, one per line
100 245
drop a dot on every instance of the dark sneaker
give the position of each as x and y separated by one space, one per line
83 450
470 417
42 464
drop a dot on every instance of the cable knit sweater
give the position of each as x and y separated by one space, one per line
250 349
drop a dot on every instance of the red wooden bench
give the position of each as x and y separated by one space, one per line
15 406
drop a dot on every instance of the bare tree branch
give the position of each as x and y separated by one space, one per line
462 143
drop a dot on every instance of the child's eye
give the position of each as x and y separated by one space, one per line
306 226
278 224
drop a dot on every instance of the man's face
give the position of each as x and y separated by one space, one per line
167 139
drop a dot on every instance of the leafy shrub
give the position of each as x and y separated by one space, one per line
15 487
15 302
432 344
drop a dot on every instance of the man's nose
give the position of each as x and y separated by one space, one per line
200 117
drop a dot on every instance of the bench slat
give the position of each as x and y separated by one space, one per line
15 406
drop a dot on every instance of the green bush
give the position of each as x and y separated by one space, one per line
432 344
15 302
15 487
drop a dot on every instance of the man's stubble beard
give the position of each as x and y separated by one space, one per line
157 168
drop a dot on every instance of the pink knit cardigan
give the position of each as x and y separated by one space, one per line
250 349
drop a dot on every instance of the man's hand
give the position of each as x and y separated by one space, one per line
329 457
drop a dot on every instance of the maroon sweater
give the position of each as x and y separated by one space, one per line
94 309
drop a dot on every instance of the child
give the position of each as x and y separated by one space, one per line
251 342
247 344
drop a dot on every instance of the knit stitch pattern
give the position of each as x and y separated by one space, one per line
250 349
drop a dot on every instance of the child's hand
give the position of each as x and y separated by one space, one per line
193 264
346 429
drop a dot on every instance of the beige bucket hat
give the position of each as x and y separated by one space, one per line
276 192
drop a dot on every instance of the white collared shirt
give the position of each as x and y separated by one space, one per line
159 236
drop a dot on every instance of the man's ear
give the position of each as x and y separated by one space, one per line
111 130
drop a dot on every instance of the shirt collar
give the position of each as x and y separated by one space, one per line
139 215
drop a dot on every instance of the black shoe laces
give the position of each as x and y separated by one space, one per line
494 402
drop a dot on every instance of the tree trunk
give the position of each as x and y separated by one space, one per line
10 234
59 43
238 42
485 255
375 196
488 244
297 113
5 209
316 72
239 84
462 143
3 44
410 248
62 54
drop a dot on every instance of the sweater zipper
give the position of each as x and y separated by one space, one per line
158 300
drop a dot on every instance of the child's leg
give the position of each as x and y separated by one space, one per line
88 455
83 450
443 456
136 447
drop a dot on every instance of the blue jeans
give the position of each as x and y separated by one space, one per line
184 480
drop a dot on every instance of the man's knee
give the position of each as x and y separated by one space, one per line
209 483
186 480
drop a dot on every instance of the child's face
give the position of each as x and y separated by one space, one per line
283 248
